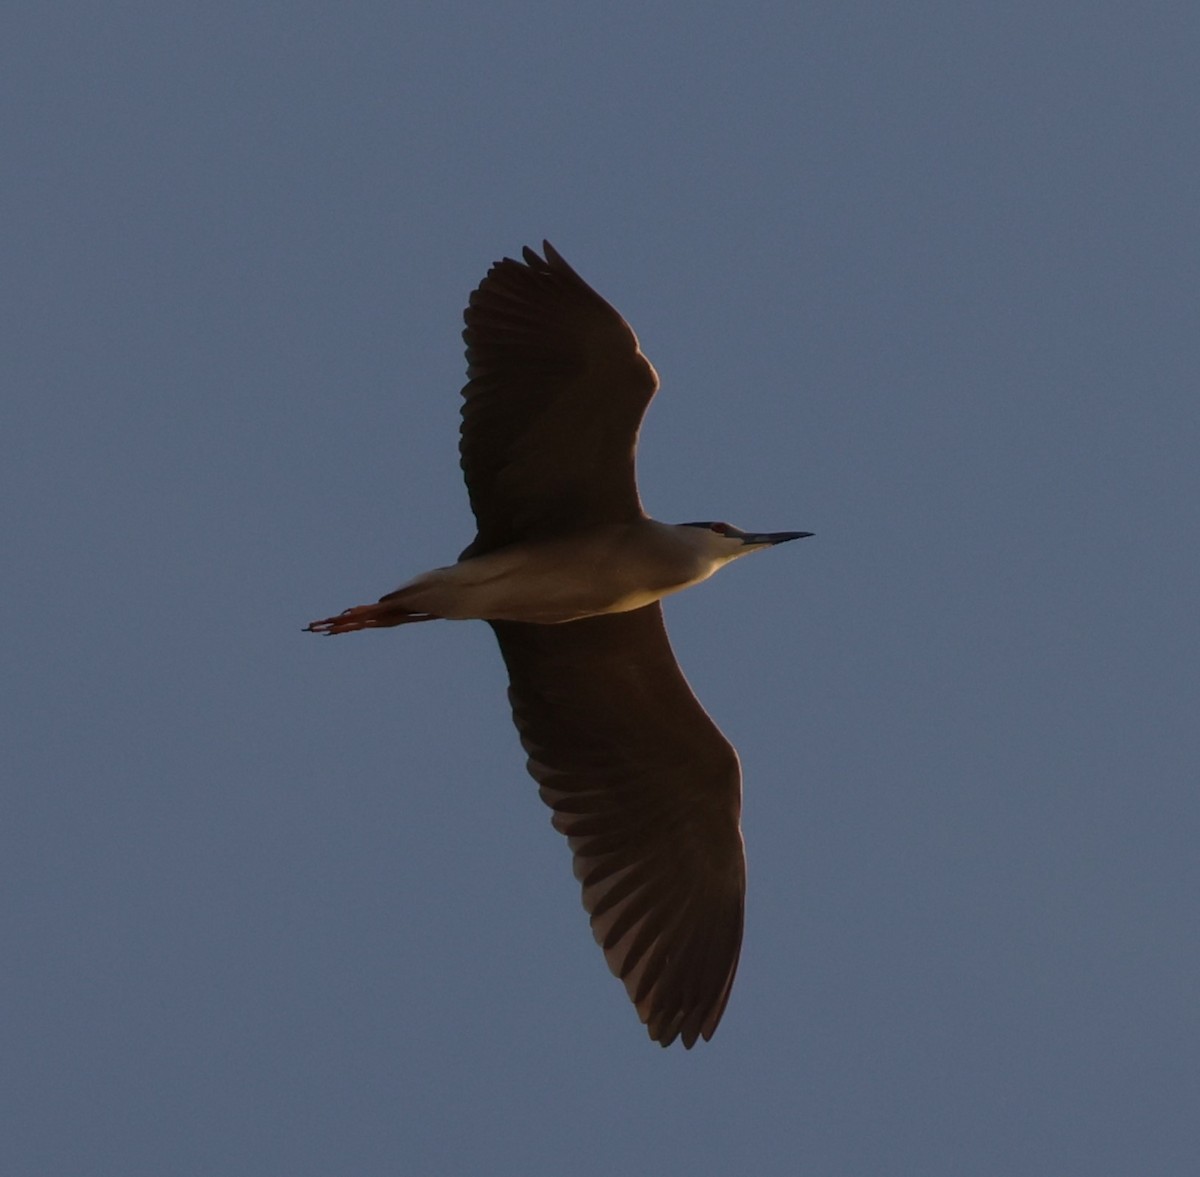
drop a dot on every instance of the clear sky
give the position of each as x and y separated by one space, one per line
921 278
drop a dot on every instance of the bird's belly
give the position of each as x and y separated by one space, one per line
537 585
558 598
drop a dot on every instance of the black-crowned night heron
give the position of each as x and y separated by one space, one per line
568 570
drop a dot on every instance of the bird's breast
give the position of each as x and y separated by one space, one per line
613 570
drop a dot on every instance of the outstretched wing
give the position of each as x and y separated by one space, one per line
556 392
648 793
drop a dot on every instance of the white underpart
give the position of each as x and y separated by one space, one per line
611 569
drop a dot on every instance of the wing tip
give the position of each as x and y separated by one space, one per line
550 261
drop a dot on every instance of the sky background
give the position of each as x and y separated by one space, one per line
921 278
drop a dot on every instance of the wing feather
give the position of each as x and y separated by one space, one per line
648 794
556 391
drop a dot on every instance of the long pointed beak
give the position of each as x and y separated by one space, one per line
759 538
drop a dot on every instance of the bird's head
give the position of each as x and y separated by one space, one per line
725 542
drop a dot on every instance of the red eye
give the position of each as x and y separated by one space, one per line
720 528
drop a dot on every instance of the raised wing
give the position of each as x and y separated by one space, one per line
556 392
648 793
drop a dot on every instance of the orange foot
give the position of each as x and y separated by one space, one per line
378 616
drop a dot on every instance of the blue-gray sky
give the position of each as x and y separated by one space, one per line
921 278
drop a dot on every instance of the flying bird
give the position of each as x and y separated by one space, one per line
569 570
